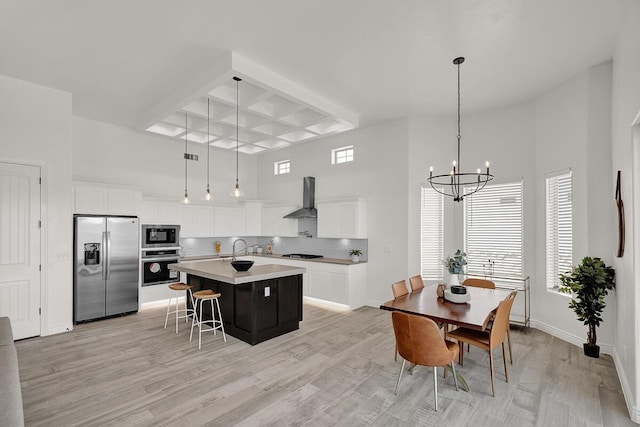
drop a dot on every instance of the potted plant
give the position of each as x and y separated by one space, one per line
355 254
589 283
455 266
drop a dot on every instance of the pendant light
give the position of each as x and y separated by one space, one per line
207 195
457 184
236 191
186 157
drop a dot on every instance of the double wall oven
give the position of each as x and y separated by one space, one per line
160 247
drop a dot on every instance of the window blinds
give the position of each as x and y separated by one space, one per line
559 226
431 234
493 231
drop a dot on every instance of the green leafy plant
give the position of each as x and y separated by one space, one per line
589 283
356 252
456 263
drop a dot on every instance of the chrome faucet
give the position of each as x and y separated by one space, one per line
233 249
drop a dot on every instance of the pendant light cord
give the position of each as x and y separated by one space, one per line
186 160
459 134
237 125
208 116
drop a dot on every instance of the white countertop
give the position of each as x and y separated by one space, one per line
341 261
224 272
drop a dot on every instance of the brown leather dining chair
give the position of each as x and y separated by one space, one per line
416 283
488 284
479 283
488 339
419 341
399 289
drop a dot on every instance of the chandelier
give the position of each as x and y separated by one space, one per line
459 184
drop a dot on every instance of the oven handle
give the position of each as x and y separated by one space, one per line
156 259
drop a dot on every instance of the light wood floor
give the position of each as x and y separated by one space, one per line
338 369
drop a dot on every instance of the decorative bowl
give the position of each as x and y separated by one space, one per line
458 289
242 265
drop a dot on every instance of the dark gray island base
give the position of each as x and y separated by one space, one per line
255 311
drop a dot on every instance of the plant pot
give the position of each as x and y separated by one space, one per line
591 350
453 280
355 258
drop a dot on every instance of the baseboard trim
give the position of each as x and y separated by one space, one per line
326 304
634 411
605 348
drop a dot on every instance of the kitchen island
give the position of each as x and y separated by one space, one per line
256 305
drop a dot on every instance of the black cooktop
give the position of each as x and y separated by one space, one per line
305 256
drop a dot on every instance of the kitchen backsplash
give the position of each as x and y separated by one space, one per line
329 248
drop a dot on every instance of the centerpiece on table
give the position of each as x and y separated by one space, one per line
455 266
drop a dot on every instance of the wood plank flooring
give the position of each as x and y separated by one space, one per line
338 369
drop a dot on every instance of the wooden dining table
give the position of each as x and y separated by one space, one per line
471 314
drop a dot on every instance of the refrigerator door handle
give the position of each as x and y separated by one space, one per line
107 262
104 255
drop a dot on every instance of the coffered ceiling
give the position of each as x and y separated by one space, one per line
310 68
272 112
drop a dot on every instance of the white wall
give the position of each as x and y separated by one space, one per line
573 131
112 154
378 175
625 108
504 137
35 128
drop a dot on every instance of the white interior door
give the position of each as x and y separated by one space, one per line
20 248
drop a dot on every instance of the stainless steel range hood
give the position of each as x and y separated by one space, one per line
308 209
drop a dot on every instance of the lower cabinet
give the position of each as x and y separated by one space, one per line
257 311
342 284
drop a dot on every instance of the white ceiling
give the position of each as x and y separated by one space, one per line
134 63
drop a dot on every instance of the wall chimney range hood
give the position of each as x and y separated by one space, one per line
308 209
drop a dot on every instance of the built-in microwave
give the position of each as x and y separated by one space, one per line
160 236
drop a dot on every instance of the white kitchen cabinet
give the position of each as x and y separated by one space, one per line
160 212
253 212
230 221
342 284
196 221
90 198
342 219
274 223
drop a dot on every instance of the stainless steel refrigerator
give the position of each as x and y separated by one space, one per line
106 266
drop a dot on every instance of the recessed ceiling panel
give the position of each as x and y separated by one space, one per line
272 112
250 149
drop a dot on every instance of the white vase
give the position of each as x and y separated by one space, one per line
453 280
355 258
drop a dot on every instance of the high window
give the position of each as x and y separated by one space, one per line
342 155
281 167
493 229
431 234
559 226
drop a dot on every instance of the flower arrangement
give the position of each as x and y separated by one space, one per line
456 263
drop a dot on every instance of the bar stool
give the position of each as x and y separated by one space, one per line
180 287
200 298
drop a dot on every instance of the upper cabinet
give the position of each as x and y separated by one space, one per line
253 213
160 212
196 221
342 219
100 199
230 221
273 223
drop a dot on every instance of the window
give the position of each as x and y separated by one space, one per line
431 234
559 229
493 231
281 167
342 155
